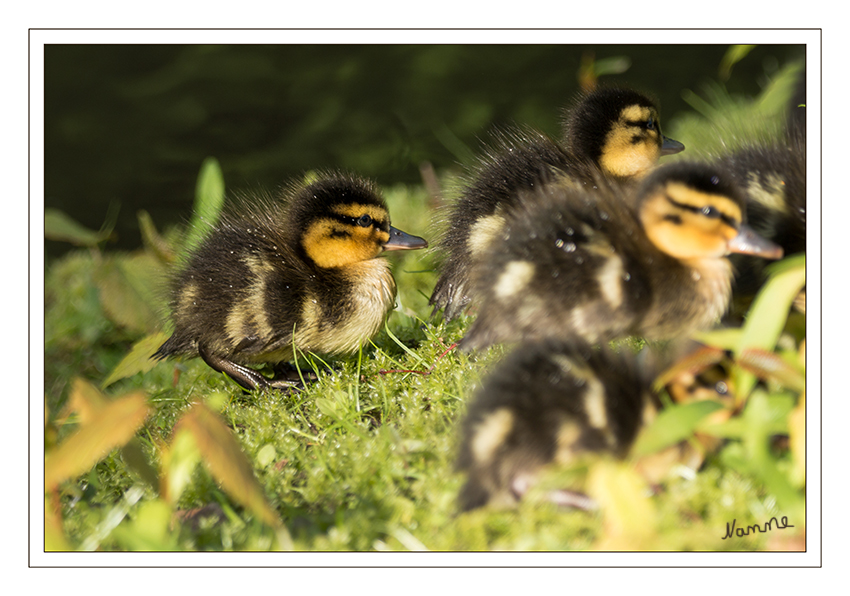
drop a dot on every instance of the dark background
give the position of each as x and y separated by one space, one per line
132 123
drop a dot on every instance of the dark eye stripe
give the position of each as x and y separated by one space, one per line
700 210
357 221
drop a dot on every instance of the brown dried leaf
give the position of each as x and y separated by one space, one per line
770 366
222 454
110 425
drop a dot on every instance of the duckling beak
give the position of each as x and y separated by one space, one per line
747 242
670 147
403 241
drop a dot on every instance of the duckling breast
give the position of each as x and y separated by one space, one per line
341 318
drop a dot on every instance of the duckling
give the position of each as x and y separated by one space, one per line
613 263
283 274
773 178
549 402
614 131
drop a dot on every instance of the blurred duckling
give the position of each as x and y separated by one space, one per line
297 273
773 178
598 266
549 403
615 131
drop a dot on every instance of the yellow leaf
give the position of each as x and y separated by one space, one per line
85 400
138 360
106 427
54 536
797 440
178 461
227 463
629 517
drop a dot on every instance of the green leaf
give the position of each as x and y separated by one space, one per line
59 226
725 339
178 462
132 454
672 425
153 240
768 314
209 199
138 360
127 288
148 530
733 55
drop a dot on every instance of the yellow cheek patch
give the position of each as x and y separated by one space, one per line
684 233
355 210
624 158
332 244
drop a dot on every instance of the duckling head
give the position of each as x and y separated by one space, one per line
620 131
693 211
342 220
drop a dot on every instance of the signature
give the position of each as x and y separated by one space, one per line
768 525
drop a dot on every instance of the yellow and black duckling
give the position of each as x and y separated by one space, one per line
549 403
597 266
295 273
773 178
615 131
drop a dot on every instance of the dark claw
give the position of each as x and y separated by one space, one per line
247 378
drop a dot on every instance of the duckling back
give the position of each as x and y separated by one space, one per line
548 402
519 160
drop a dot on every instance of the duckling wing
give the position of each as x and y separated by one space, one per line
519 160
239 294
568 267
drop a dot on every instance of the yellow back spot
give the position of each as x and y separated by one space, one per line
483 232
771 194
491 433
514 278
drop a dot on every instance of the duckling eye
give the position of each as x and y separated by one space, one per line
710 212
364 221
650 124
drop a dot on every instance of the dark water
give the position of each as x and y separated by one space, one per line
132 123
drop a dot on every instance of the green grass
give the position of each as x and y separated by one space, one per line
363 459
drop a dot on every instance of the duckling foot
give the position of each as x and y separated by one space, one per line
248 378
286 372
569 499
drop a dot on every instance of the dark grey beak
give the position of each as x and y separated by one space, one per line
669 146
403 241
747 242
